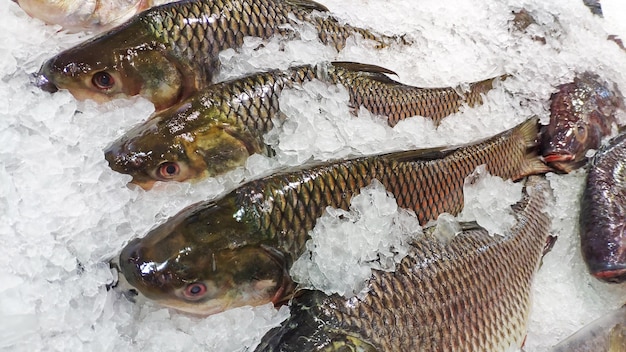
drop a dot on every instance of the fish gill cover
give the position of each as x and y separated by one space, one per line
64 213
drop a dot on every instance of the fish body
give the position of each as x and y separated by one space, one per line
606 334
581 114
218 128
471 293
86 15
169 52
237 250
603 213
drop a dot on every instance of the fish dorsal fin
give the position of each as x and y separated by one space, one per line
307 5
374 72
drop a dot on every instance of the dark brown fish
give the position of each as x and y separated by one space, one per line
237 250
169 52
471 293
217 129
603 213
581 114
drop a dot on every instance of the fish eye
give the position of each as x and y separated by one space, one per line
102 80
195 290
168 170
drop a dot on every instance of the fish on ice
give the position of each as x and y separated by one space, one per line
603 213
86 15
605 334
581 114
167 53
218 128
238 249
468 293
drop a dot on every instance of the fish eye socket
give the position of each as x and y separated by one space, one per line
195 290
103 80
168 170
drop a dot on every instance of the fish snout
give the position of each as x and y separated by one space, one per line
43 82
130 263
130 254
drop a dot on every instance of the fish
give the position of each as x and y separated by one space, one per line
217 129
605 334
603 213
469 293
581 114
86 15
237 249
168 52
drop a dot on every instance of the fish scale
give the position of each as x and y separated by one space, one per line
469 294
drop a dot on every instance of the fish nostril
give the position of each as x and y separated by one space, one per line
41 81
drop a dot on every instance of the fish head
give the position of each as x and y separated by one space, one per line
123 62
582 113
205 260
187 142
564 144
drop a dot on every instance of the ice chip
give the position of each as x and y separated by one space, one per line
346 245
488 201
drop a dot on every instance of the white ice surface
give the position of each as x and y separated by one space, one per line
64 213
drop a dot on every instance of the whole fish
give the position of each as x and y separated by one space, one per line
603 213
169 52
606 334
217 129
581 114
238 249
86 15
471 293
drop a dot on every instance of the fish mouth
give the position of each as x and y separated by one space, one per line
40 80
557 157
613 275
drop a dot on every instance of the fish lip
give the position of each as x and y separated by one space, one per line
558 157
611 275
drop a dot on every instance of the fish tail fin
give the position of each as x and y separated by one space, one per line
533 165
476 89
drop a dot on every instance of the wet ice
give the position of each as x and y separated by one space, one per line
64 213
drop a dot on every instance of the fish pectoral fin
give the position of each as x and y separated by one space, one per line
359 67
341 341
307 5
